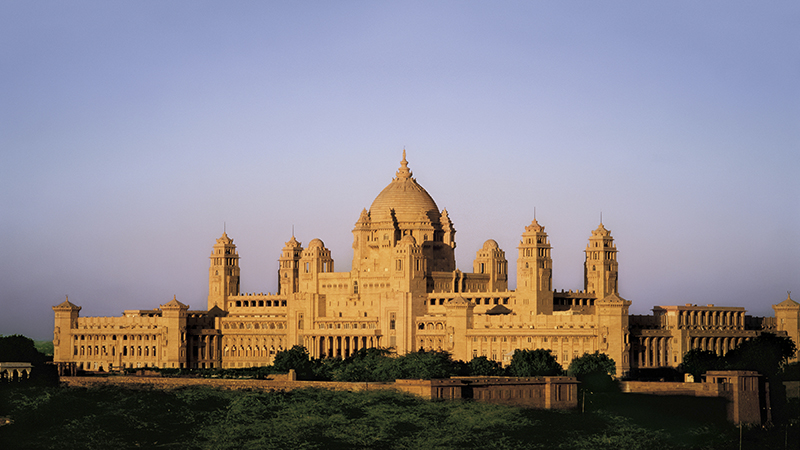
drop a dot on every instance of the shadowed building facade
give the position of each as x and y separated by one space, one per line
405 292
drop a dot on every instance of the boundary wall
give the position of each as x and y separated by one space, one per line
741 388
534 392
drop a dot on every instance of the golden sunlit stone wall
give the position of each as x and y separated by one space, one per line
405 292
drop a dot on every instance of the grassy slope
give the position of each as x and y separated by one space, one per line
199 418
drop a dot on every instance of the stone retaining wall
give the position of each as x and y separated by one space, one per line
547 393
670 388
274 384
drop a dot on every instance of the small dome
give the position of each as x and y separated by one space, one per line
316 243
491 244
408 239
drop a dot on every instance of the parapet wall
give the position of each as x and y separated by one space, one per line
740 388
668 388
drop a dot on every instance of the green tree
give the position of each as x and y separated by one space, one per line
766 354
45 347
17 348
697 362
296 358
791 372
426 365
533 363
594 371
483 366
361 365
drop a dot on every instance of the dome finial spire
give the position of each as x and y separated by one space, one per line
404 172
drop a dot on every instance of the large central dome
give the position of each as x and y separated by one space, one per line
410 201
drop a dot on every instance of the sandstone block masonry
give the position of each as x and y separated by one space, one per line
404 292
740 388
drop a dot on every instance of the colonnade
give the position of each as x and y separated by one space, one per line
338 346
711 319
15 371
718 345
207 352
653 351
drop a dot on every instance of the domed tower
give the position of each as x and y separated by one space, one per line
315 259
535 270
409 265
223 274
600 270
403 208
491 260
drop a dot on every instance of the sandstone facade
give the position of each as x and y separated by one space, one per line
405 292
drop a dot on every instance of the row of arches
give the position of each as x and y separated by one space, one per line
259 303
430 326
114 337
253 325
254 351
718 345
101 350
655 351
712 318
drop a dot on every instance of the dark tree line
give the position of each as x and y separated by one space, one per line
17 348
766 354
381 365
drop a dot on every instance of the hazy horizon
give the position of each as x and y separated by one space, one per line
132 133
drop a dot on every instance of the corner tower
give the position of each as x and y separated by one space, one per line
787 315
66 318
223 274
600 270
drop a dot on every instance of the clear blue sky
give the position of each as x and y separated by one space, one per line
131 131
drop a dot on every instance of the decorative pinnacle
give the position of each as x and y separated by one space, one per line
404 172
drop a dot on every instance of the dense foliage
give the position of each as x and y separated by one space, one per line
45 348
19 348
594 371
767 354
483 366
534 363
203 418
697 362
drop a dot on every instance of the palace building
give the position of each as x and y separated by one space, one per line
405 292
